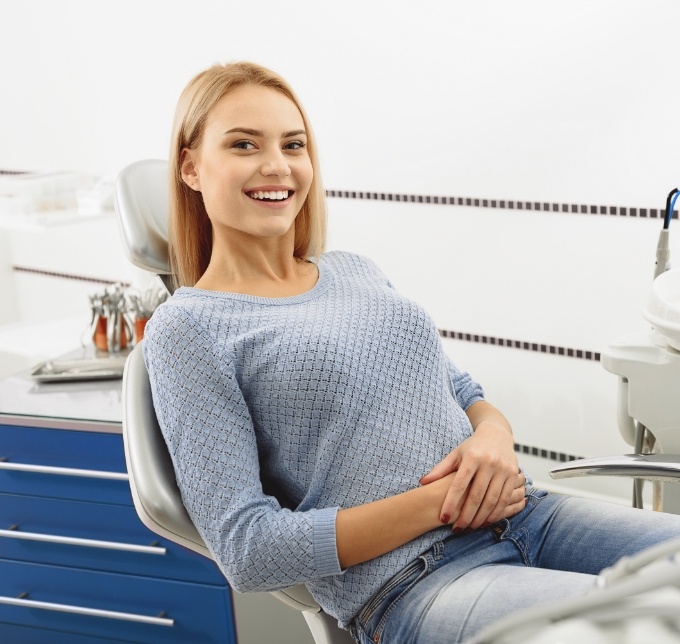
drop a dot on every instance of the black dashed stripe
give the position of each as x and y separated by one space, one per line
522 344
503 204
68 276
550 455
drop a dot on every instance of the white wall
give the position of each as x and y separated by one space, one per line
564 102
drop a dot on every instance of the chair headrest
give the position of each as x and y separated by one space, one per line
141 201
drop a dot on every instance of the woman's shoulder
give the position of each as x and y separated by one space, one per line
348 261
174 318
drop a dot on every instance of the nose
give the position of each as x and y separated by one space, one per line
275 164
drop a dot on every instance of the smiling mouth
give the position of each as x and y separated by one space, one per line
270 195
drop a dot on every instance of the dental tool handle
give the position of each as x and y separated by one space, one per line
662 254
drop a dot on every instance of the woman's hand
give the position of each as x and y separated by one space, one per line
487 485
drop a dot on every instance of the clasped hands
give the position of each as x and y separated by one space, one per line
485 482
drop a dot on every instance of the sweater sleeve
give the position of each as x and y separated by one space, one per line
258 545
467 391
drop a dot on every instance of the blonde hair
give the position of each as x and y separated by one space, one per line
190 230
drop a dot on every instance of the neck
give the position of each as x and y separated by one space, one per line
263 267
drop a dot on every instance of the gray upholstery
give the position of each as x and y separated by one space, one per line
142 203
152 478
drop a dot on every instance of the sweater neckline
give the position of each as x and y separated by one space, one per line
321 286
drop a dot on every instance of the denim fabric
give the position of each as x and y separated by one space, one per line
549 551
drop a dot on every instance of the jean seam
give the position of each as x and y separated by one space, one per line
532 497
523 550
380 627
366 613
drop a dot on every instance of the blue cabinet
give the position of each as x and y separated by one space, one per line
76 565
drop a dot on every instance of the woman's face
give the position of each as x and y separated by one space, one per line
252 165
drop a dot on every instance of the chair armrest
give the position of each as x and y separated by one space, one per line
297 597
654 467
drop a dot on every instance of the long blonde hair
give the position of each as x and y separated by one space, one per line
190 230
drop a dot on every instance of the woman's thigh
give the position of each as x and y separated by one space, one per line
547 552
439 610
582 535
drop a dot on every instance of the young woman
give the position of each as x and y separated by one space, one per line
318 430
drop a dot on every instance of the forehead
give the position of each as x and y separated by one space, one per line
256 107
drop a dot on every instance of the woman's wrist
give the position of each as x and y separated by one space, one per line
373 529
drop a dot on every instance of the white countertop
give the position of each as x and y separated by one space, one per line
87 405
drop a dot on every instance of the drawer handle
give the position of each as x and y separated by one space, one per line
64 471
81 610
14 533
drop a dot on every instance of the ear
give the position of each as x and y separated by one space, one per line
187 169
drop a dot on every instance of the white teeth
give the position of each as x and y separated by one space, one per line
278 195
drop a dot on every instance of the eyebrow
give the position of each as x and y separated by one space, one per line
251 132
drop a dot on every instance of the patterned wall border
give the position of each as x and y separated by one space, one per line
559 457
520 344
507 204
68 276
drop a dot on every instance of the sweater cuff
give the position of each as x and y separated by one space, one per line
325 547
471 401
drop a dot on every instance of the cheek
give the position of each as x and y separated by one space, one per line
220 185
306 175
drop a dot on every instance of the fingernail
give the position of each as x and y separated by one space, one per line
486 524
457 530
444 518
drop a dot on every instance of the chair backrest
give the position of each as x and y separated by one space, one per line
152 478
142 204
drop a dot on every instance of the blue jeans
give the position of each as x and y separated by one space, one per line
549 551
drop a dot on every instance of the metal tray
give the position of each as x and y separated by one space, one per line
61 370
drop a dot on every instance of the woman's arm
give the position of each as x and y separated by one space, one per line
485 486
209 431
373 529
370 530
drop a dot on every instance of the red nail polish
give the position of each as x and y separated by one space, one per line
444 518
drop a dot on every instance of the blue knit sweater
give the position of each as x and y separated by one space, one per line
278 412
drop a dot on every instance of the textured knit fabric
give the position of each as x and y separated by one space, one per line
279 411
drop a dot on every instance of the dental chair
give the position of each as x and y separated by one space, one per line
141 193
648 368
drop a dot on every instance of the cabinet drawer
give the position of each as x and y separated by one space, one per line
14 634
94 536
113 606
88 466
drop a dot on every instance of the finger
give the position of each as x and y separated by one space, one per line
478 496
455 496
495 502
509 496
447 465
514 508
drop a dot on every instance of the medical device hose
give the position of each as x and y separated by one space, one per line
663 252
